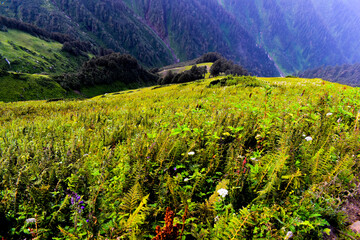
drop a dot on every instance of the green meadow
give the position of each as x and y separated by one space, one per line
30 54
265 159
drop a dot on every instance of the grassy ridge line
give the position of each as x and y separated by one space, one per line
101 147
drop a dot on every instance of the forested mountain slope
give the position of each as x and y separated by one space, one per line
301 34
157 33
348 74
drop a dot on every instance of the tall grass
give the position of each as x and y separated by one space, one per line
108 167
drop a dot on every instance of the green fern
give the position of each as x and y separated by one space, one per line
273 171
233 226
138 216
131 200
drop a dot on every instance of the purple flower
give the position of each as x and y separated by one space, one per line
82 207
174 168
87 220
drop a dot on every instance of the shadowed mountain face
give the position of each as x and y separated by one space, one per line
264 36
300 34
156 32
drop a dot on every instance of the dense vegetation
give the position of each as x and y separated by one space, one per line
228 67
195 73
111 69
266 160
344 74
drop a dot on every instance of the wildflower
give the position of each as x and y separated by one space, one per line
289 235
30 220
175 168
85 155
87 220
308 138
191 153
217 218
222 192
186 179
329 114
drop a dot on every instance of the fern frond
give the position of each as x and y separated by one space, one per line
343 164
273 175
233 226
316 161
132 198
139 215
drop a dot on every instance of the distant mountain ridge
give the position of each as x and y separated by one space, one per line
265 36
157 32
348 74
301 34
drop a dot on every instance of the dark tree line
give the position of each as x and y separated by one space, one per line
195 73
227 67
209 57
108 69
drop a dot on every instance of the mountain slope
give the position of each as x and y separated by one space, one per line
348 74
22 52
157 32
106 23
193 27
296 33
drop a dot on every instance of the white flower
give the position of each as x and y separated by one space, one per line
217 218
308 138
222 192
288 235
329 114
30 220
191 153
186 179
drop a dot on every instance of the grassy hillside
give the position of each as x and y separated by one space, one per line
29 54
21 87
264 159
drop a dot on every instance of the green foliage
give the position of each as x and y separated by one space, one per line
114 71
234 162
